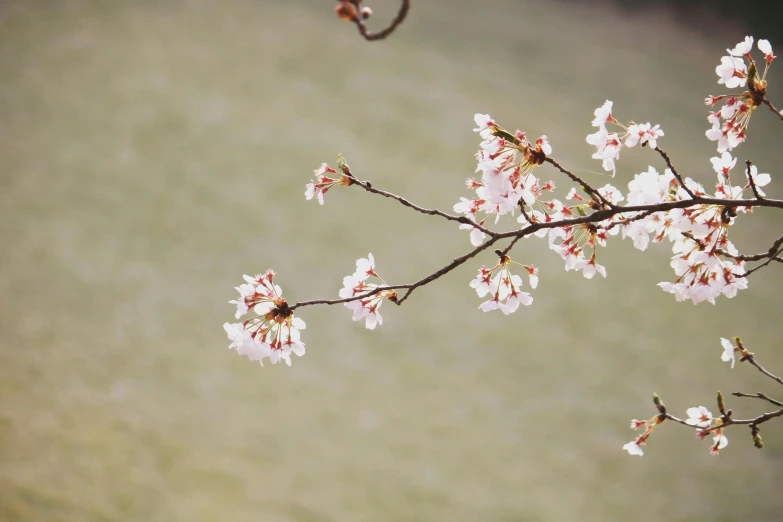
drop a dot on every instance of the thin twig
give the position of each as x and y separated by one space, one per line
751 181
758 396
432 212
758 257
674 171
752 360
380 35
772 108
774 257
585 186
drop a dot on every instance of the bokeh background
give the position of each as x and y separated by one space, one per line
152 152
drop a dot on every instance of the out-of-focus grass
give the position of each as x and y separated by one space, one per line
152 152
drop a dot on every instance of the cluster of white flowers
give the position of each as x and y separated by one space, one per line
356 284
729 124
503 287
506 162
608 144
274 331
323 182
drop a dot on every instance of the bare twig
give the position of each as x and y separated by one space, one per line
380 35
749 357
585 186
751 181
758 257
758 396
432 212
674 171
772 108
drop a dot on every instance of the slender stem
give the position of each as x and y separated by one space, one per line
758 396
772 108
758 257
751 181
366 185
380 35
752 360
585 186
772 258
674 171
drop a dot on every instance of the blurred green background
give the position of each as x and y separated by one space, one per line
152 152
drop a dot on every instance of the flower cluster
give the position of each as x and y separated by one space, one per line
577 240
608 144
729 124
273 332
503 287
323 182
506 162
367 307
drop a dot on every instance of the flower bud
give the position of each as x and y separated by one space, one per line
365 13
721 404
754 430
346 11
659 404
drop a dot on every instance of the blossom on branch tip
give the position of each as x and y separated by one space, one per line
323 182
634 448
273 332
608 144
728 351
765 47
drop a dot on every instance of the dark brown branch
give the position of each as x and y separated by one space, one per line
774 257
366 185
751 181
772 108
674 171
380 35
749 357
758 396
758 257
585 186
410 287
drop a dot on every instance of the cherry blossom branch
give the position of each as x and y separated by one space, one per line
728 420
674 171
595 217
701 418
